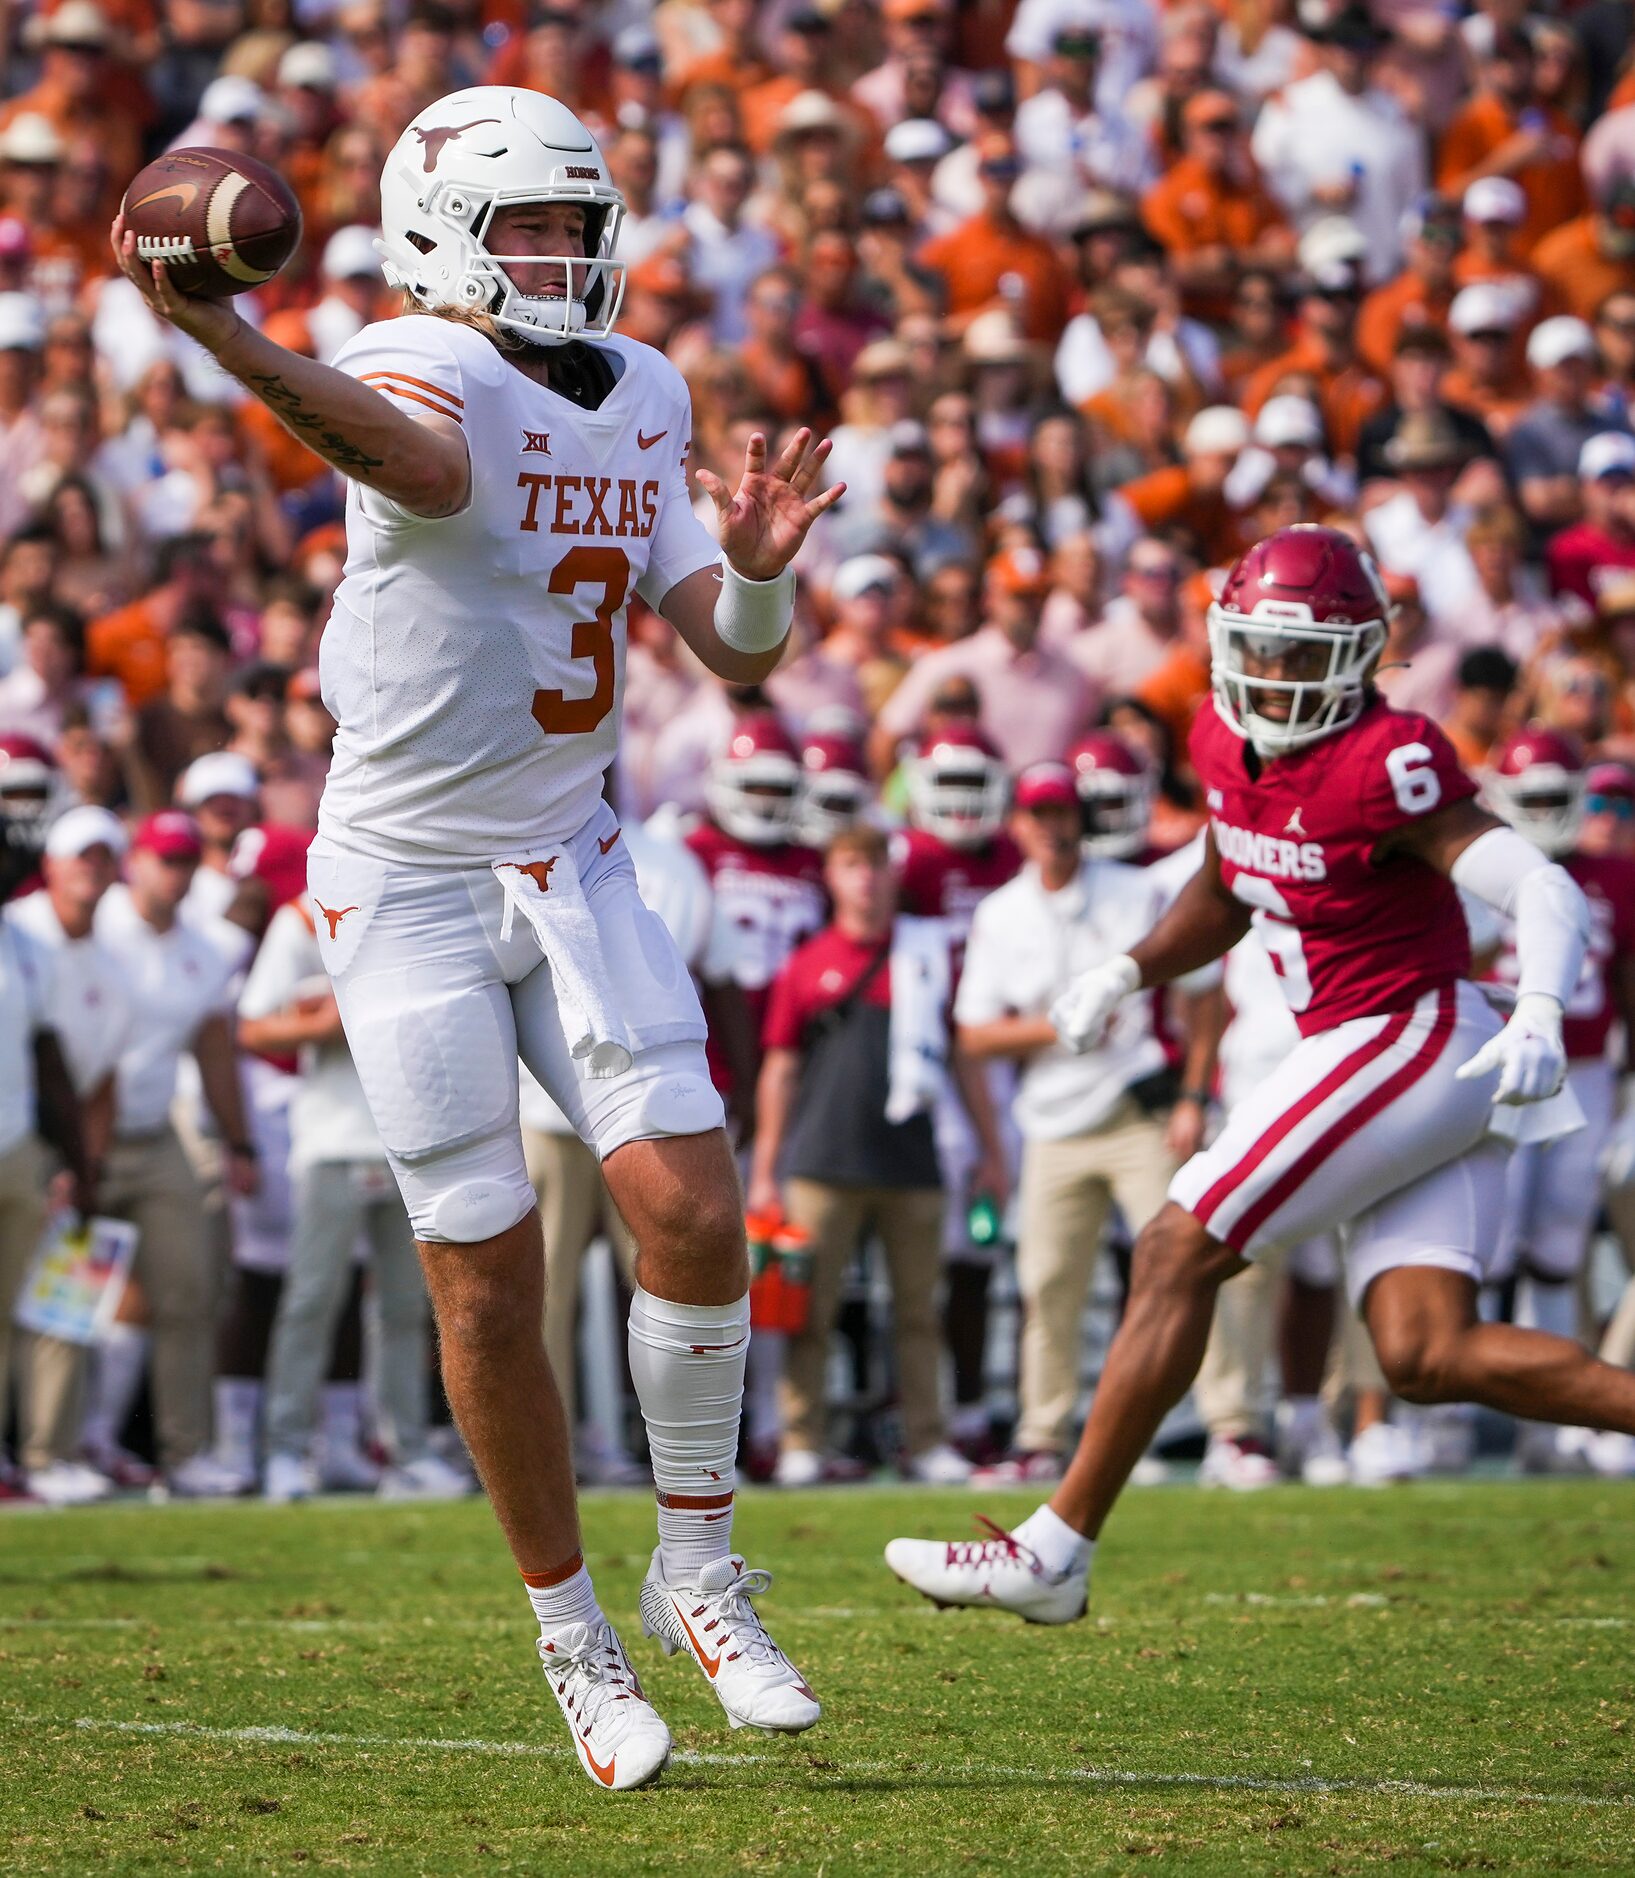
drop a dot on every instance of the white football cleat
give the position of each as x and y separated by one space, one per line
67 1483
715 1623
1238 1463
1384 1454
999 1571
618 1735
345 1468
289 1477
203 1477
427 1477
941 1466
1308 1448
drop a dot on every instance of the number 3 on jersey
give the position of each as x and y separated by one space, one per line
555 713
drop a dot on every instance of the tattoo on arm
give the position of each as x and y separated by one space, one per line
312 427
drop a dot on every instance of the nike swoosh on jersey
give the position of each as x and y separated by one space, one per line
607 846
646 443
185 193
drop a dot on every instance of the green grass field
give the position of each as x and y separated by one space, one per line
1432 1679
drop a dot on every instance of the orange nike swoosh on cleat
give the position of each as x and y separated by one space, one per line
603 1774
646 443
705 1663
606 846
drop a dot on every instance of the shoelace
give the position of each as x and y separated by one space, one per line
731 1608
999 1548
589 1672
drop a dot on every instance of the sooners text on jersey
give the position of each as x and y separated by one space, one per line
1349 936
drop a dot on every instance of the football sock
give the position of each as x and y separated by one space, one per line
687 1361
564 1596
117 1375
237 1402
1054 1543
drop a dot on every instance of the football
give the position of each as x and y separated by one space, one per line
222 223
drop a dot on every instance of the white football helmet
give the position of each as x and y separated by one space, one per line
466 156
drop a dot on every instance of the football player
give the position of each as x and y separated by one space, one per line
1340 829
517 471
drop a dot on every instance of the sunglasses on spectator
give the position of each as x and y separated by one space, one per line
1218 126
1620 808
1618 325
1489 336
1586 684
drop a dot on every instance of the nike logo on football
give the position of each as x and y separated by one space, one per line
646 443
607 846
1293 825
709 1664
186 195
335 915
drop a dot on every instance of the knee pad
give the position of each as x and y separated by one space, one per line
469 1194
682 1104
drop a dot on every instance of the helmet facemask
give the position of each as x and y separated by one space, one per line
1115 811
594 282
1545 803
1335 664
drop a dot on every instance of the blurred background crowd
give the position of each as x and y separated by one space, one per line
1089 295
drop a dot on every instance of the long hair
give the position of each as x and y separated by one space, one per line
475 317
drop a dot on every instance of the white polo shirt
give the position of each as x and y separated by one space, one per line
86 1003
25 979
329 1115
174 980
1026 947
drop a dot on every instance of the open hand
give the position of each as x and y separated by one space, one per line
764 521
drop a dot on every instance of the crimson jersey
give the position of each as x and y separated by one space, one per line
939 881
1296 835
1608 881
767 900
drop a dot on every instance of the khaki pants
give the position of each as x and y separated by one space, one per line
574 1207
908 1221
22 1219
1067 1190
149 1182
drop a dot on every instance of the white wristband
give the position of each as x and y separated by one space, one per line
754 615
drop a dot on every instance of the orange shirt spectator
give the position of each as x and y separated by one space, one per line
977 255
1348 394
130 645
1389 310
1191 495
1575 264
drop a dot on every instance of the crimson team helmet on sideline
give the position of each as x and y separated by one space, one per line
1115 787
957 787
753 788
1537 783
29 780
1309 597
835 787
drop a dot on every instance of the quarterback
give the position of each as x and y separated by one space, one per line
1340 828
517 472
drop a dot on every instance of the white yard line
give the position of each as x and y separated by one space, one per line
976 1770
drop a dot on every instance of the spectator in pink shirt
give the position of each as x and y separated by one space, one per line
1034 701
1140 627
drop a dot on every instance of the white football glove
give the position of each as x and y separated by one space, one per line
1528 1053
1080 1015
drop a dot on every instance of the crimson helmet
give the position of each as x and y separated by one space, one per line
753 788
1311 602
1536 783
1115 786
276 855
957 787
1610 779
29 781
834 787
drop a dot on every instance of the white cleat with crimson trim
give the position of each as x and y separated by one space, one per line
999 1571
715 1623
620 1740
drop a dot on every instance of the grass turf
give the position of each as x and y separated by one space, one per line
1435 1679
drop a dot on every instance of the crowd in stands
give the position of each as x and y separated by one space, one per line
1089 295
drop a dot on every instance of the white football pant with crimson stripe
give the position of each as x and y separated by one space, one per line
1364 1129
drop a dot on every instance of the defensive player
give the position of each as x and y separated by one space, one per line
1340 828
517 472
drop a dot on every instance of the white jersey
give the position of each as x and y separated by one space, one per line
475 663
85 1004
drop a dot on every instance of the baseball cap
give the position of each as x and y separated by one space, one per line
232 99
993 93
308 66
810 110
997 155
917 140
884 208
1289 420
22 323
76 23
1608 453
221 773
85 827
907 437
882 358
1331 241
349 254
1495 199
1217 430
1019 571
1553 341
637 48
1484 306
31 138
169 833
862 574
1046 785
992 339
